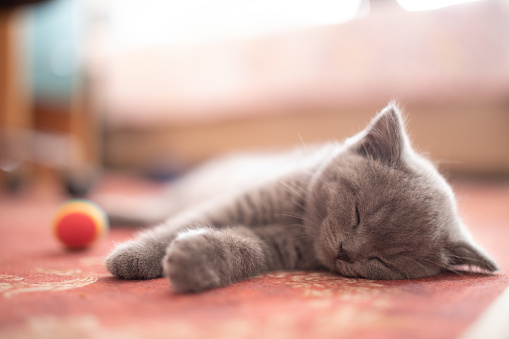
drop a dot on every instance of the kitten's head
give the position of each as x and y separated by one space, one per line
386 213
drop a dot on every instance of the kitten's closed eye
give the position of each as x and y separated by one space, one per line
357 217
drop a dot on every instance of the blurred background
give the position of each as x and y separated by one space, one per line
154 87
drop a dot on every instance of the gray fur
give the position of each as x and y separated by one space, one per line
370 207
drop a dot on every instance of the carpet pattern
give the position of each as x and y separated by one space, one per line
49 292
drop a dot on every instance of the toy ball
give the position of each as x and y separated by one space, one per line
79 223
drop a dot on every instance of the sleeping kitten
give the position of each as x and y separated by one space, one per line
370 207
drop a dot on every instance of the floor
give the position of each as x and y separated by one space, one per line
49 292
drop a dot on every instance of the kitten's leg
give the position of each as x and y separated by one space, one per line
140 258
206 258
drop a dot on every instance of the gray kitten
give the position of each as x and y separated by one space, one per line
370 207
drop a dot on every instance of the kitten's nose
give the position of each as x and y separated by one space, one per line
343 255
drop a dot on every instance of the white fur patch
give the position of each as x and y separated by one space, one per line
191 233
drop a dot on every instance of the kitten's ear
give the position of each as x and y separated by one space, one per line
463 253
385 138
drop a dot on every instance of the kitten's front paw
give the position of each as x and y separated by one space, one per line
135 260
195 262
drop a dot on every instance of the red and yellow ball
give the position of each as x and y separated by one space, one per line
80 223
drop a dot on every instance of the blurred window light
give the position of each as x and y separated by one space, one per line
426 5
149 22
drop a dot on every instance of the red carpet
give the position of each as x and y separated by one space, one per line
48 292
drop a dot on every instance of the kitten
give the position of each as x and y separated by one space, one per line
370 207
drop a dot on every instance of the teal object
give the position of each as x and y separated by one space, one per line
53 41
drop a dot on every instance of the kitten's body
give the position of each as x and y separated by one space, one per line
370 207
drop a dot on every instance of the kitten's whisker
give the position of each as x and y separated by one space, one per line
300 237
299 217
302 226
292 189
302 142
417 262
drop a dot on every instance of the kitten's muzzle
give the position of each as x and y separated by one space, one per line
343 255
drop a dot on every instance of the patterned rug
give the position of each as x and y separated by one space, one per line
48 292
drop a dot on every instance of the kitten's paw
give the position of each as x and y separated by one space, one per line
135 259
195 262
